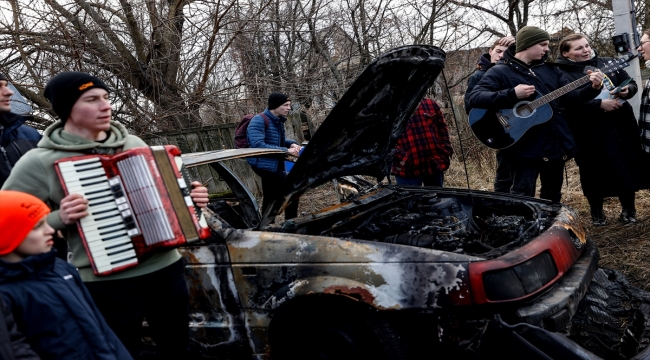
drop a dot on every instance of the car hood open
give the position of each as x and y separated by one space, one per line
359 134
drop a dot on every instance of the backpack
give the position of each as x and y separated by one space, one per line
241 141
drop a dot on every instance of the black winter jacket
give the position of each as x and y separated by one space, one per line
16 139
609 148
484 63
53 309
551 140
13 345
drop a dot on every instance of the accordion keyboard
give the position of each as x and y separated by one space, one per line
109 225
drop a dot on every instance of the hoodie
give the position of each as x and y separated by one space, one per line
34 174
55 312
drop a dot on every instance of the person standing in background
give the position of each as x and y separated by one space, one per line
644 116
522 74
423 152
606 132
16 138
502 179
272 136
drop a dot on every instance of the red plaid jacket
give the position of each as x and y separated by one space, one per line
424 146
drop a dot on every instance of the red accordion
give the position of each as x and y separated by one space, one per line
138 202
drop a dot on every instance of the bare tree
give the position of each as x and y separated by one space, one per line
160 56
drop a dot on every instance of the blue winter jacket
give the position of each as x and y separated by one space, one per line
53 309
551 140
272 137
15 140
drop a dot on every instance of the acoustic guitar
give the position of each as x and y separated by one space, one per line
503 128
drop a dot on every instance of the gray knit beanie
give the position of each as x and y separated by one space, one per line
529 36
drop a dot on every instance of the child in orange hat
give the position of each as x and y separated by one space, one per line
50 304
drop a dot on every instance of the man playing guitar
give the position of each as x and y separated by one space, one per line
520 75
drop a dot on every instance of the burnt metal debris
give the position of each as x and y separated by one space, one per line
441 223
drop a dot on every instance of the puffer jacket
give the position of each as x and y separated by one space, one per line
271 137
609 148
550 141
16 139
55 312
13 345
484 63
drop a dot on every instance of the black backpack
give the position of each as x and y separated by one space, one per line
241 141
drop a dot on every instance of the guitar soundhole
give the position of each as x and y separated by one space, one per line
524 111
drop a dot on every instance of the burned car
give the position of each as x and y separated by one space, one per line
388 270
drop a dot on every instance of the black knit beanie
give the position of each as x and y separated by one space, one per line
529 36
276 99
64 89
2 77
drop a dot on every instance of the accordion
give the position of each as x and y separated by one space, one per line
138 202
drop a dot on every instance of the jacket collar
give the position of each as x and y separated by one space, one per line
29 266
509 57
11 121
273 117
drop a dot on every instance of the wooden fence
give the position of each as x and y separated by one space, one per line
208 138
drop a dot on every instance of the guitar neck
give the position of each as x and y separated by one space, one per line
559 92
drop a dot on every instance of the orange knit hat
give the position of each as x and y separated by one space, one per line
19 212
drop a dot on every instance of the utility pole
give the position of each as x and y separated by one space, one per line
626 42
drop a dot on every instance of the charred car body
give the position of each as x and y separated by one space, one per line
393 263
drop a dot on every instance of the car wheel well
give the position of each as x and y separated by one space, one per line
333 327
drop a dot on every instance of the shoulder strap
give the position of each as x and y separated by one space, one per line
266 119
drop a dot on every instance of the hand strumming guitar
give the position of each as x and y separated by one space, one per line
523 91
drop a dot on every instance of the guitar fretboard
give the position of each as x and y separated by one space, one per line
559 92
609 68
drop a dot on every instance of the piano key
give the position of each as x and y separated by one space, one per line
92 224
87 172
105 260
87 182
102 201
100 208
80 169
108 215
96 247
80 161
106 265
98 195
83 189
100 252
92 233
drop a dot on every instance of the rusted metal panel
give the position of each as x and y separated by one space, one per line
216 319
